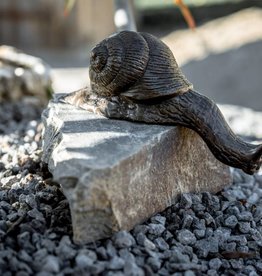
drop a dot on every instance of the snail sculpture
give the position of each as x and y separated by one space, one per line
134 76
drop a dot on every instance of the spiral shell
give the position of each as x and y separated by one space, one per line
135 65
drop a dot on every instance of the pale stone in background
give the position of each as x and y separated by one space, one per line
23 77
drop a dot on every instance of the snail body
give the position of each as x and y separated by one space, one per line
134 76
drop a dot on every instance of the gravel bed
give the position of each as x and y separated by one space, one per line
202 234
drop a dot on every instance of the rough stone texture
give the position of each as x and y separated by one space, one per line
23 76
116 174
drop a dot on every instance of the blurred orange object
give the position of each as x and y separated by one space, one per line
68 5
186 13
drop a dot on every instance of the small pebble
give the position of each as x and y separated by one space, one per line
123 239
186 237
189 273
240 239
236 264
229 247
116 263
158 219
245 216
144 241
111 250
131 269
244 227
156 229
215 264
51 264
161 244
253 199
231 221
154 263
83 261
187 221
185 201
199 233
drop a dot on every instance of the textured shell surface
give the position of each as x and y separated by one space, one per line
136 65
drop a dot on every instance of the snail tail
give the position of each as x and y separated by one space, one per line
202 115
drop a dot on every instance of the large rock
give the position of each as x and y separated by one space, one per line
24 77
116 174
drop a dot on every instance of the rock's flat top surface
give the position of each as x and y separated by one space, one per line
101 142
115 174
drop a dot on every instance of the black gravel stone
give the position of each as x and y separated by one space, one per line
51 264
154 263
231 221
185 201
116 263
123 239
199 233
215 264
245 216
101 253
156 229
239 239
131 269
145 242
111 250
187 221
244 227
158 219
161 244
186 237
126 255
229 247
206 246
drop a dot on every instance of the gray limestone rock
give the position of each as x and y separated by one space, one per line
116 174
24 77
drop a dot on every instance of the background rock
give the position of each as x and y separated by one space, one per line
23 77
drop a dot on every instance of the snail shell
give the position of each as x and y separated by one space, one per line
137 66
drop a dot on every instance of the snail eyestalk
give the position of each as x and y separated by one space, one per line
134 76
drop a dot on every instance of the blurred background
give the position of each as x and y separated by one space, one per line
222 57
